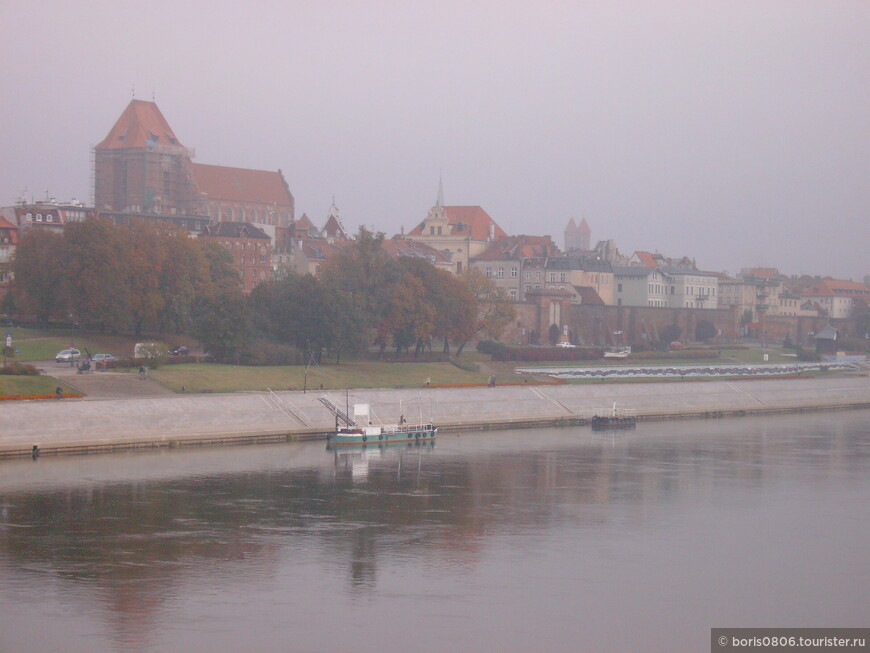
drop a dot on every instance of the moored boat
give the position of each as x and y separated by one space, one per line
359 430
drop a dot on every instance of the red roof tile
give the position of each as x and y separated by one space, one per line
830 287
467 220
517 247
141 125
242 184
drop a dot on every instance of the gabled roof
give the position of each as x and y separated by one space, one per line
588 295
398 246
320 249
466 221
518 247
579 263
836 288
647 259
635 271
333 228
141 125
305 222
242 184
235 230
13 230
828 333
761 273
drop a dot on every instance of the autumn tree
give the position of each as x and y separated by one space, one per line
39 269
495 310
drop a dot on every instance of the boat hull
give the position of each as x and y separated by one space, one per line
359 437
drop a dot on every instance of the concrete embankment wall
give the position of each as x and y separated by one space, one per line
81 426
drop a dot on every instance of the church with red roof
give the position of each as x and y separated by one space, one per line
141 169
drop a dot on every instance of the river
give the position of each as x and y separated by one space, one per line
547 540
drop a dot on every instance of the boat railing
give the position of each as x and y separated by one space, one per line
609 411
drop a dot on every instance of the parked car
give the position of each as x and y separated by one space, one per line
103 358
180 350
566 345
67 355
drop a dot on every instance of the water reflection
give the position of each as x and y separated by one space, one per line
151 535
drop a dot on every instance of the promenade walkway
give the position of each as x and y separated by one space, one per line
75 426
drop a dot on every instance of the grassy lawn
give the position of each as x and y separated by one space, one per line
31 385
201 377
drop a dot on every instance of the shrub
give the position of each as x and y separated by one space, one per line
19 369
536 354
807 355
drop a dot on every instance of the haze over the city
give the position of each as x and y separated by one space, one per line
737 133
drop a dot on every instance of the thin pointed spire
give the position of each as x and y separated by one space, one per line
440 200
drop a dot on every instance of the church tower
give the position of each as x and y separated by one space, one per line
577 237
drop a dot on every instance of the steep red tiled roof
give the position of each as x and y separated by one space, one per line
762 273
588 295
333 228
305 222
140 125
647 259
466 220
241 184
13 230
835 287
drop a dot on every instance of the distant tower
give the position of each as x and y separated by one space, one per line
333 227
577 237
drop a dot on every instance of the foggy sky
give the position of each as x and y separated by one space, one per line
737 133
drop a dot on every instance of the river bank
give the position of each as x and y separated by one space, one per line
91 426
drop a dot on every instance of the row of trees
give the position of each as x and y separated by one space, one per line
139 278
369 298
152 278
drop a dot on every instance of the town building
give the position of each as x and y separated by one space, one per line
579 275
8 242
513 261
50 215
836 297
461 232
638 285
250 248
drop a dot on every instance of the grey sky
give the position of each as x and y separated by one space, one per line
734 132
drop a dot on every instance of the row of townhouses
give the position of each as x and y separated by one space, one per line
142 171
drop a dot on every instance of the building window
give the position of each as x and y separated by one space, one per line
431 231
439 231
513 273
552 276
619 287
489 271
513 294
500 273
537 276
458 267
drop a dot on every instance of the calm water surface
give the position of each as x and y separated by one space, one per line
551 540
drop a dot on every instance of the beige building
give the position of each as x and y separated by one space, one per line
574 273
461 232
